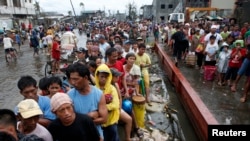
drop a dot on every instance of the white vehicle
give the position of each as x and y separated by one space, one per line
176 17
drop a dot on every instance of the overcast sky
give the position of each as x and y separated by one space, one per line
63 6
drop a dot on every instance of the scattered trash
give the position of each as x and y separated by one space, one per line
154 79
155 107
158 136
157 98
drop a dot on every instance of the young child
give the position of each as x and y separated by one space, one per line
54 85
125 116
222 62
43 86
56 55
103 78
92 68
236 59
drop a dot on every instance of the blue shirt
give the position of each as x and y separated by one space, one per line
87 103
44 103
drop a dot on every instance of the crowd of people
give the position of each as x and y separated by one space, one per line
225 46
87 103
109 69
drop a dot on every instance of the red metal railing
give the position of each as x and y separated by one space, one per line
196 110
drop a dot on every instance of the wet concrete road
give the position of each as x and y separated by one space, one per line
222 103
26 65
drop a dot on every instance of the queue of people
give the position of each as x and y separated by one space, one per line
88 103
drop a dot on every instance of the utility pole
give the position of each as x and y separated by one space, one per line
73 9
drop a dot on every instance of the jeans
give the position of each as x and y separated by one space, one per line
111 133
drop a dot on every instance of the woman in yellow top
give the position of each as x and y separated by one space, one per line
103 78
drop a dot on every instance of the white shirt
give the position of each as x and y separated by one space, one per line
103 47
217 35
211 49
41 132
49 39
7 42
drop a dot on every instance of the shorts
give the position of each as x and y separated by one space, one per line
36 49
45 46
8 50
231 73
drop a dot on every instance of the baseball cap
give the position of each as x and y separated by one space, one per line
58 100
213 26
115 72
224 44
187 24
197 29
29 108
139 38
127 42
101 36
81 49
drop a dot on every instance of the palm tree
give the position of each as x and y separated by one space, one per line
82 6
37 7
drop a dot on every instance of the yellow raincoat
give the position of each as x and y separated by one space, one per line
113 107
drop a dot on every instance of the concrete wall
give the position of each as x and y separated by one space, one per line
159 12
196 3
223 4
26 8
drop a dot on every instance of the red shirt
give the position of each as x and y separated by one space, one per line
55 51
236 61
119 66
122 60
243 31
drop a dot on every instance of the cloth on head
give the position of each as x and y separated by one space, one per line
58 100
118 48
29 108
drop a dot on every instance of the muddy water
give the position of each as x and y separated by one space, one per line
26 65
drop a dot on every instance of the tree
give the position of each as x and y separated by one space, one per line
82 4
132 10
70 13
37 6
